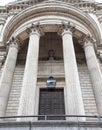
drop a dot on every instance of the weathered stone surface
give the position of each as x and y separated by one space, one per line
50 125
7 76
73 95
85 82
95 73
28 93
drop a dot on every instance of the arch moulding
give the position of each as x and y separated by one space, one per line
50 16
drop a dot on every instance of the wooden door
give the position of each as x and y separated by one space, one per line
51 102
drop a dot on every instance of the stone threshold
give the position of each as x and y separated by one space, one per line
50 123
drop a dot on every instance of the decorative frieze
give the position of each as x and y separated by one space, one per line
15 7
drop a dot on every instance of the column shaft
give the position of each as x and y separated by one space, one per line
6 77
95 73
74 102
28 94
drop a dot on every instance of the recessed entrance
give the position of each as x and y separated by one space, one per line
51 102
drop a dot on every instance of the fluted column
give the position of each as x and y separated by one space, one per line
73 96
94 70
7 75
28 94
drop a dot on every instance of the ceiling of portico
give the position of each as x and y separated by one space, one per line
51 15
50 28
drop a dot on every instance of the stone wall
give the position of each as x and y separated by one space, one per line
51 125
58 72
87 91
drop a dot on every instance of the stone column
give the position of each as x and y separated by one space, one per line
28 94
73 96
7 75
95 72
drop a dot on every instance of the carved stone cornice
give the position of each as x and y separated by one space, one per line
17 6
14 9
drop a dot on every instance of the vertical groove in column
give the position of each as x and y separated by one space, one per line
7 76
28 94
95 74
74 102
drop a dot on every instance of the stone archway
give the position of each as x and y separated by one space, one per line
50 16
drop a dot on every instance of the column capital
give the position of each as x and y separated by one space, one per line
13 42
87 41
66 28
35 29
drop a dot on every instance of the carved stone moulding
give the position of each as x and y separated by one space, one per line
50 16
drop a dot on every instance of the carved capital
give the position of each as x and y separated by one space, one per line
87 41
13 42
66 28
35 29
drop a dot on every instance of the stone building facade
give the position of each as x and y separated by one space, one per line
51 38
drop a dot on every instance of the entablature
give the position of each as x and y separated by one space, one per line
17 6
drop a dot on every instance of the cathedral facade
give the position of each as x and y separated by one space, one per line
51 65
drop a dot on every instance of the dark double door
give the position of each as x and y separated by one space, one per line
51 102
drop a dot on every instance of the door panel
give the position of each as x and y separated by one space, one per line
51 102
